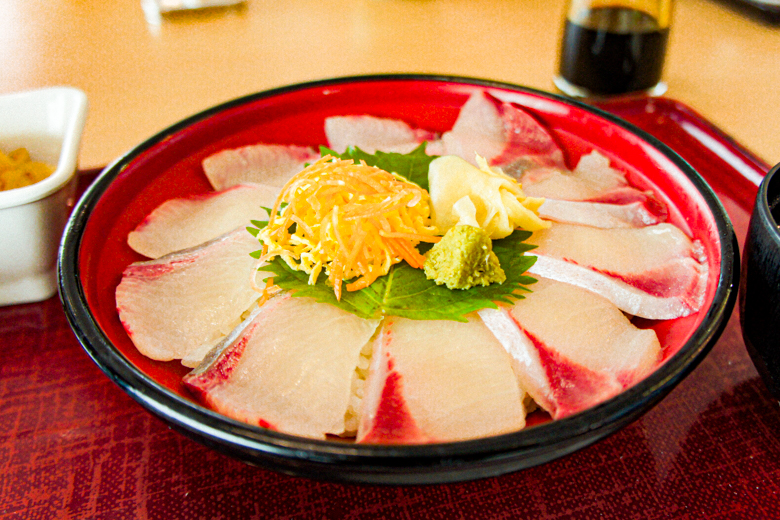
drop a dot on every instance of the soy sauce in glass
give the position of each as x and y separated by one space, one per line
612 50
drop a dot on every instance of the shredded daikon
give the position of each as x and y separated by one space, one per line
352 220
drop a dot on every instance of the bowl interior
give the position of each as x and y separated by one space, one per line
169 165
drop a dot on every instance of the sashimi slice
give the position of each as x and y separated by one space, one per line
271 164
591 177
287 367
371 133
572 349
187 222
172 306
655 272
598 214
502 133
438 381
593 180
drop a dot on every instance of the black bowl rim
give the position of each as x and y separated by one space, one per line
215 429
762 209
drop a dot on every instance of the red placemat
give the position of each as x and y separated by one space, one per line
73 445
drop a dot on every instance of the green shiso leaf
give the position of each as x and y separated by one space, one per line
254 231
412 166
406 292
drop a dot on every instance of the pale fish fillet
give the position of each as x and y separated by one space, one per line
598 214
592 175
172 306
655 272
287 367
271 164
438 381
503 133
370 133
187 222
593 180
572 349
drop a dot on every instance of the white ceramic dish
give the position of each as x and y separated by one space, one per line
47 122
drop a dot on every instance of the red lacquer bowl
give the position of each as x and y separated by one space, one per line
94 252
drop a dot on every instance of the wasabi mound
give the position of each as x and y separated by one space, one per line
463 259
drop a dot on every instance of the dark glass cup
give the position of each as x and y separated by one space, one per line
759 294
613 48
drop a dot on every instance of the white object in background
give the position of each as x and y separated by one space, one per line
153 9
180 5
48 123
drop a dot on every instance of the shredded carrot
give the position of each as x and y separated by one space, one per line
409 236
352 220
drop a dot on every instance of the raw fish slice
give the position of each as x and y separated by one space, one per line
173 305
592 176
571 348
655 272
438 381
598 214
288 367
593 180
562 184
371 133
187 222
271 164
502 133
435 147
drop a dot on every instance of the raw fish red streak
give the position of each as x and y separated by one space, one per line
395 424
575 386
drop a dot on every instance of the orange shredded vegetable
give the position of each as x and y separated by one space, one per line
352 220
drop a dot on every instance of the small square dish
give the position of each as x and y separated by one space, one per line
48 123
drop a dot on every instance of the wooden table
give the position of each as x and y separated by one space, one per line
141 78
73 445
